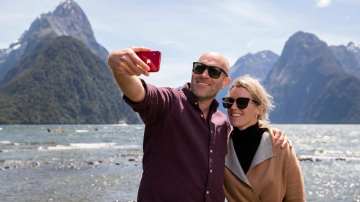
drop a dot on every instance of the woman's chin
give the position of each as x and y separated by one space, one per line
236 124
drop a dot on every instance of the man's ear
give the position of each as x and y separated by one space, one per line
226 82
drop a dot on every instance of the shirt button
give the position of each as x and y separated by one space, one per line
195 103
210 151
202 115
207 192
211 131
210 171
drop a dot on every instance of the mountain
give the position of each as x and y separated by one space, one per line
62 82
257 65
66 20
347 58
310 86
355 49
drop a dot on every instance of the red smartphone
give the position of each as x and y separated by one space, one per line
152 59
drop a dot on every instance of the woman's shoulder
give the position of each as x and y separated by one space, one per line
287 150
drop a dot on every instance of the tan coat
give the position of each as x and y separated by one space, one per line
274 175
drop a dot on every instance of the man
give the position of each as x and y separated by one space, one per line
185 138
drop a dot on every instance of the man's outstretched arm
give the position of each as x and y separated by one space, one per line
126 66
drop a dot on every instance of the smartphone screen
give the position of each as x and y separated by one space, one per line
152 59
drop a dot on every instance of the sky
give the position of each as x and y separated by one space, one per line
184 30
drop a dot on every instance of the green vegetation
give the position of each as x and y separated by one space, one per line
62 82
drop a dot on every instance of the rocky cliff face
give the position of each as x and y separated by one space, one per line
347 59
67 19
309 84
256 65
355 49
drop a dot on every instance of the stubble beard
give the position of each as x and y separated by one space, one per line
202 95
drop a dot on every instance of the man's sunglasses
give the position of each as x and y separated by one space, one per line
241 102
214 72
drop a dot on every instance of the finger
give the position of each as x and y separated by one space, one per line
277 142
142 71
280 141
279 134
122 64
133 68
137 59
284 143
140 49
125 62
124 70
290 143
141 65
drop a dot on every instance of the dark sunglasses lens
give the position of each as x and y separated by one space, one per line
214 72
199 68
227 102
242 103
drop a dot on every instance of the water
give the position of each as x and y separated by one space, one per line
103 162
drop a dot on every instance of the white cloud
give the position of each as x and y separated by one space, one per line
251 43
322 3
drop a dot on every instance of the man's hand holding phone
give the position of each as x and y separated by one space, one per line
134 61
126 66
152 59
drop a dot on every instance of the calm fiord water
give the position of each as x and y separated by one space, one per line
103 162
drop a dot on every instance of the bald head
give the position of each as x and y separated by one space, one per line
215 59
203 86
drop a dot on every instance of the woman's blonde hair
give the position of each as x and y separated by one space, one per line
258 93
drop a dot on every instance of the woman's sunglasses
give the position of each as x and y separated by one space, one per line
214 72
241 102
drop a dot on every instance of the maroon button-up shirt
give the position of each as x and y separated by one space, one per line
184 154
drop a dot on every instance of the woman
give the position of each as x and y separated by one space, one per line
256 170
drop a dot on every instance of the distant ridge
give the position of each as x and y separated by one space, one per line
62 82
67 19
257 65
355 49
309 85
347 56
